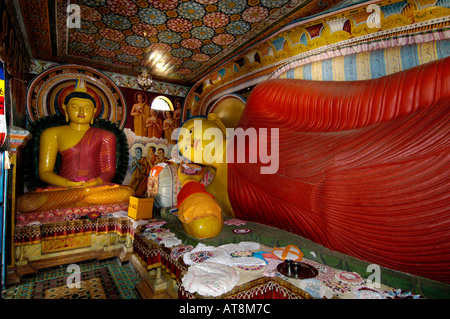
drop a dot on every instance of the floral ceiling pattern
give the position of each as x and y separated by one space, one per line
189 37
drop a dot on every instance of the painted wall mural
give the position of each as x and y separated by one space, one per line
348 45
149 135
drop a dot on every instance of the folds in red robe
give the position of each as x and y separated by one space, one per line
363 166
94 156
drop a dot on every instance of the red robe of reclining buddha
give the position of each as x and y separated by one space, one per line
363 166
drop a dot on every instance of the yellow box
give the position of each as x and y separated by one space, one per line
140 207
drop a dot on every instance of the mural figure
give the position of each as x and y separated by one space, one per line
161 156
151 157
169 125
177 113
154 125
140 112
88 161
138 168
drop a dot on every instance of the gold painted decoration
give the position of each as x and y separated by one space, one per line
65 243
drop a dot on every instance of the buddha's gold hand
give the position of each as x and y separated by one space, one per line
70 183
94 182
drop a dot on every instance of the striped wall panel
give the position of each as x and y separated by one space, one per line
370 64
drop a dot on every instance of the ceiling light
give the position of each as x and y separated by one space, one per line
145 79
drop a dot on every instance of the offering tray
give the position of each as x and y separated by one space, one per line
297 270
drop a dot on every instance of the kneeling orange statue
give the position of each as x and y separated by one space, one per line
88 161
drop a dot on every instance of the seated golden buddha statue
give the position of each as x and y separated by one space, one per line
88 161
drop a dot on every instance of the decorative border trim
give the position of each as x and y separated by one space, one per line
364 43
128 81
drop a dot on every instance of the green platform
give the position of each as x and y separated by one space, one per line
274 237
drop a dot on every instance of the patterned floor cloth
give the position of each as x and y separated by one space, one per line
97 280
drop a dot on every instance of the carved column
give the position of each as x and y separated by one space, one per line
18 139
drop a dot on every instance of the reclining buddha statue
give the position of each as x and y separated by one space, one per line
88 161
362 167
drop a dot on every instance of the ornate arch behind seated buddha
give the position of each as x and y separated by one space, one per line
49 88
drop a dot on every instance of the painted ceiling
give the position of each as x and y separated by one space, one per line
179 41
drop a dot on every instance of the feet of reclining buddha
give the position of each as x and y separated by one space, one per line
206 227
198 211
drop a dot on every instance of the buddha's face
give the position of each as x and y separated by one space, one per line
201 141
80 111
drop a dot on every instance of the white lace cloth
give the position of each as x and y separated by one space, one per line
229 255
210 279
171 241
211 271
202 253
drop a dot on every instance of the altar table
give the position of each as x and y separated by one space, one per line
331 282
